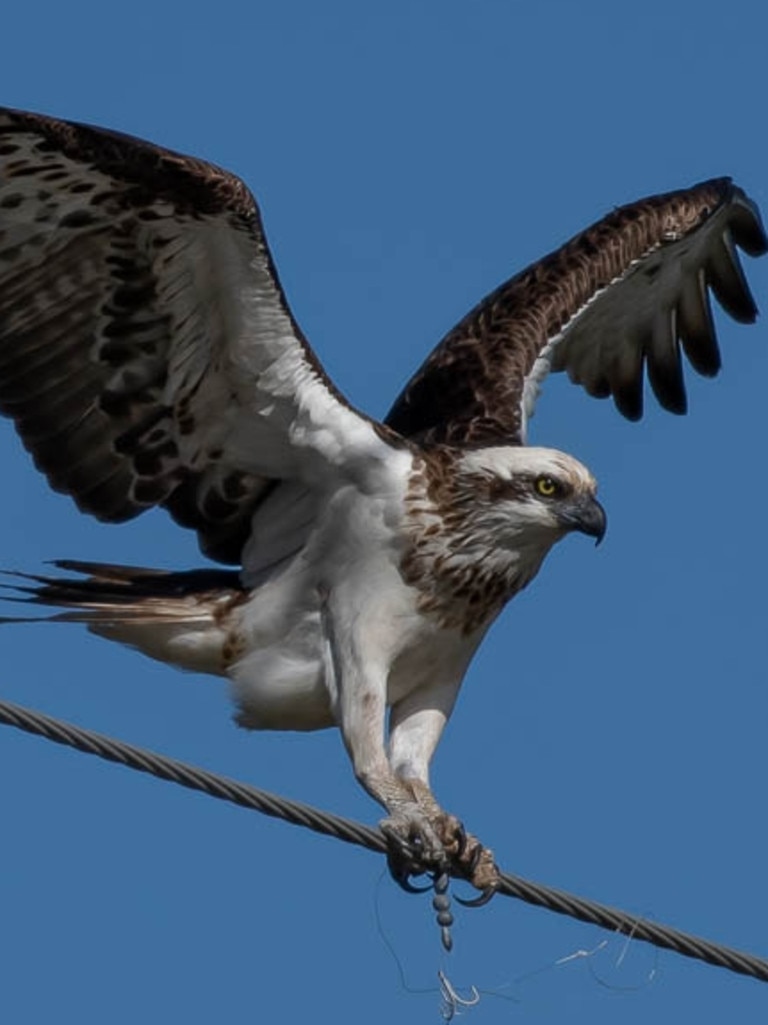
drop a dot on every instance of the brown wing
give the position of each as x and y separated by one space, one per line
147 352
626 293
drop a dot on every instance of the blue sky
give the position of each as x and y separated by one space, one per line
610 735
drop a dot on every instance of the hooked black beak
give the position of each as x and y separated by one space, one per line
586 515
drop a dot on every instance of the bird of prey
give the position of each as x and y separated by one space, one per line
148 357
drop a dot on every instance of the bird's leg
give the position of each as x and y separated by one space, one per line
416 846
416 724
422 837
356 675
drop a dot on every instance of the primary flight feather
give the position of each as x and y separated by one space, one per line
148 357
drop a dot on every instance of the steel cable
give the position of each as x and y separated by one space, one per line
355 832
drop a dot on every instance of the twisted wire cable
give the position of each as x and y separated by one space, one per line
349 831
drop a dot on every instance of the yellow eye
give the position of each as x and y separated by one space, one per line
547 487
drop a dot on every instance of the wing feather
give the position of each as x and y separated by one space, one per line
622 296
665 367
147 352
696 326
729 284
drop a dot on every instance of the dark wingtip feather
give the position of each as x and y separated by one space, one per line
670 394
726 278
747 225
628 399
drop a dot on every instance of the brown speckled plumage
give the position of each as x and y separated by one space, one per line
463 595
468 391
87 325
147 172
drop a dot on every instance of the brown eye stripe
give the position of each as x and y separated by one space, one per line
520 487
515 489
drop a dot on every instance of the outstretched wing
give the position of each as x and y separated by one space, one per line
147 352
624 294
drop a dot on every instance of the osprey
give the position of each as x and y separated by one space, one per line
148 357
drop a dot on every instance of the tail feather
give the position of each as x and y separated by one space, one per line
119 594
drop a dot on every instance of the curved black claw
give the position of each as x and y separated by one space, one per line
474 861
403 861
461 841
402 877
478 902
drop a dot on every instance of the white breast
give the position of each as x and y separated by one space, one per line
352 545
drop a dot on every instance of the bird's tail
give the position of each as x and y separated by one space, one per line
121 593
175 617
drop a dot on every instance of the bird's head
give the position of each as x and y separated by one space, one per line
530 497
482 521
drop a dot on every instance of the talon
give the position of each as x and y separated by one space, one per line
411 838
478 902
460 835
474 860
401 875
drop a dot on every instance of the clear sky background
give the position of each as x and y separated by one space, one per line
610 737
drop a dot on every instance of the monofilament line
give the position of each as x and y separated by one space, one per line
355 832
